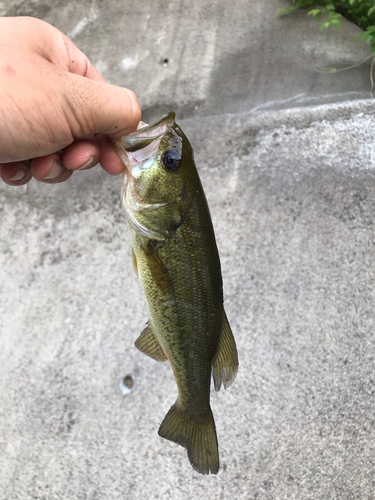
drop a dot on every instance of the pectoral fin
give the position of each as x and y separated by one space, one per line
225 362
158 270
148 344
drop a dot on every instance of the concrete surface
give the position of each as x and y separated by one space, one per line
292 197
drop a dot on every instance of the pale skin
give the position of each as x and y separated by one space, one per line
57 113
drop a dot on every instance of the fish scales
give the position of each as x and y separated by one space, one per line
189 317
177 261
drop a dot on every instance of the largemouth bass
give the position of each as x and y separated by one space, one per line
177 262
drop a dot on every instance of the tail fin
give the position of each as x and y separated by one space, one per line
198 436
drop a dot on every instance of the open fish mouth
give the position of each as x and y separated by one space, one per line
140 145
145 135
137 151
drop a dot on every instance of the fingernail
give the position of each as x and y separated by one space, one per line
55 173
90 163
21 174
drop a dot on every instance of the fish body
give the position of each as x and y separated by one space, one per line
177 261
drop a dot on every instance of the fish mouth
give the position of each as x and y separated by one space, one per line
145 135
144 142
137 150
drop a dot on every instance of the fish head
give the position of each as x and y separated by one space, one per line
159 164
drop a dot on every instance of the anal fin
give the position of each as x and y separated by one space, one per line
225 361
148 344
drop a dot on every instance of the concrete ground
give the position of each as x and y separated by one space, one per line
286 156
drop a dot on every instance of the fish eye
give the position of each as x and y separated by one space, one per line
172 160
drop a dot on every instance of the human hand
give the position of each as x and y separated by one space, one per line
57 113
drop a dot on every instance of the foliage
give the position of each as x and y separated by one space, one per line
361 12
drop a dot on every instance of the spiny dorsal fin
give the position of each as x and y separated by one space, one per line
197 436
148 344
158 270
225 362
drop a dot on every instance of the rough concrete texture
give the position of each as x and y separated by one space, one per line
292 197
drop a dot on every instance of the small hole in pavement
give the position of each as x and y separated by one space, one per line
126 384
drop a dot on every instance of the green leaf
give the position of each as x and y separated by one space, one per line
336 23
334 15
314 12
362 12
373 46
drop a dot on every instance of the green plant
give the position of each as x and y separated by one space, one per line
361 12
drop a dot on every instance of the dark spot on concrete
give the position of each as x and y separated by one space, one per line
50 257
128 381
71 421
268 484
126 385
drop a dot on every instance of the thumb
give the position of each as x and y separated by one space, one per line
96 107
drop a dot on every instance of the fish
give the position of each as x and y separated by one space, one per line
177 262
